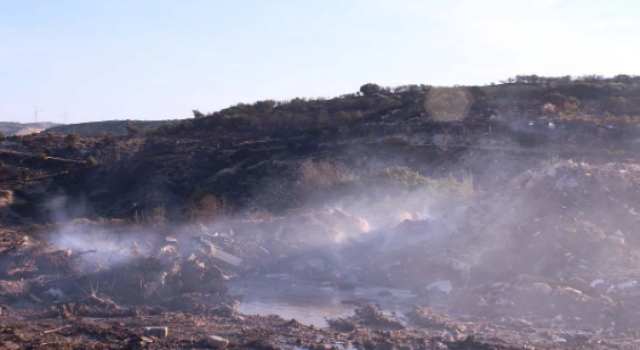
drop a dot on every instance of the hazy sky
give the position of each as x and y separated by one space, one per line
159 59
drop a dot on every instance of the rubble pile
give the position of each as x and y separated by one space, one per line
559 243
368 316
143 273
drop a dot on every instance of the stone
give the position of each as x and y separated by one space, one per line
216 342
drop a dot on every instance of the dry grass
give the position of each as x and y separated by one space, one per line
451 187
324 174
208 208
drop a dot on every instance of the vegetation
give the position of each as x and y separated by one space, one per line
113 127
324 174
208 209
72 139
400 176
524 96
132 129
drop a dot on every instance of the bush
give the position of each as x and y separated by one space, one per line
133 129
72 139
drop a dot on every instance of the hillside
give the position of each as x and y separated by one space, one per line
459 218
231 153
112 127
593 99
10 128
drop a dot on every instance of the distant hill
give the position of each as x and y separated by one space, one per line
12 128
111 127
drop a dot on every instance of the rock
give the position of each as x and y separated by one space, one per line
566 182
261 345
160 332
146 339
439 346
216 342
385 345
369 344
239 319
342 324
10 346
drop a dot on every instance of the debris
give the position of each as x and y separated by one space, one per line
55 293
463 268
627 285
342 324
55 330
35 298
224 256
444 286
596 282
160 332
371 316
216 342
146 339
384 345
567 181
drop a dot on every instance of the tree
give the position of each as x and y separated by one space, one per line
198 114
370 89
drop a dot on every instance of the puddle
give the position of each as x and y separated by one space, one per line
312 315
310 302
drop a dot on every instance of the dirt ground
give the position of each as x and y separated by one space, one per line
544 253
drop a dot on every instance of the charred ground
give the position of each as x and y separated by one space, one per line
508 209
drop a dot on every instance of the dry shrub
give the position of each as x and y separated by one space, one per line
258 215
324 174
451 187
208 208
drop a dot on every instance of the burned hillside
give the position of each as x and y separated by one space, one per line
488 217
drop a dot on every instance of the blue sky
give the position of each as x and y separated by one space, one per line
159 59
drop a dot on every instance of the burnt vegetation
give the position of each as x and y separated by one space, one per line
272 154
491 198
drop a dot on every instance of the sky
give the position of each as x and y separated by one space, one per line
92 60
